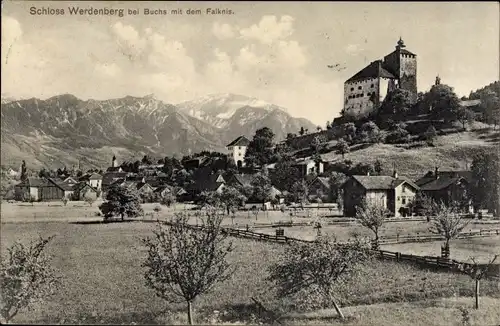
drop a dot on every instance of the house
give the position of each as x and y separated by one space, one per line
319 187
70 180
212 182
39 189
162 191
236 150
95 181
194 162
393 192
307 167
240 180
67 188
110 177
448 187
114 169
84 190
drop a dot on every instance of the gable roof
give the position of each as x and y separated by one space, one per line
95 176
61 184
430 176
373 70
209 182
110 177
442 183
240 141
382 182
81 185
322 180
113 169
243 179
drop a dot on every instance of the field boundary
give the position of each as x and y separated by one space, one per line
426 261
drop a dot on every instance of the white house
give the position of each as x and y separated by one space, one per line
307 167
95 181
237 149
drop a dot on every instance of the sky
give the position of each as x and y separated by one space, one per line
275 51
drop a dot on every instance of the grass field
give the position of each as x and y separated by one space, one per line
102 278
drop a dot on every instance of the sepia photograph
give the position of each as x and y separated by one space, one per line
250 163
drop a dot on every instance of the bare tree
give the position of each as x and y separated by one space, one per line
372 214
184 262
26 277
448 223
89 199
306 269
477 272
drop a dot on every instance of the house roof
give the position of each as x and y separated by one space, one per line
61 184
373 70
110 177
468 103
113 169
430 176
162 188
441 183
382 182
95 176
209 182
244 179
240 141
323 180
37 182
81 185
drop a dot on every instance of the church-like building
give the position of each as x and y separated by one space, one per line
366 90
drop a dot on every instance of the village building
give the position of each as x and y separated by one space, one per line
448 187
308 167
319 187
236 150
84 190
365 91
393 192
40 189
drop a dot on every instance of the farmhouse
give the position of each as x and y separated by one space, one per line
393 192
237 149
212 182
319 187
307 167
448 187
83 190
240 180
40 189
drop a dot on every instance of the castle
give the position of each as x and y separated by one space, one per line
365 91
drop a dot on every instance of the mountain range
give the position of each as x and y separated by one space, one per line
65 130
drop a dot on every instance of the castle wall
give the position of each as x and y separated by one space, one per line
359 95
408 74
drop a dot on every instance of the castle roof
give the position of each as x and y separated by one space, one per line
373 70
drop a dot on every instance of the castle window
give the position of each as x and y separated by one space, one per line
359 87
372 86
352 88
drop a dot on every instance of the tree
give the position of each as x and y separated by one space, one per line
442 102
89 199
24 172
231 198
349 131
184 262
26 277
147 160
300 191
490 105
64 201
448 223
168 199
328 125
378 167
372 214
319 128
430 135
261 185
424 206
342 147
302 131
465 116
370 132
318 143
398 134
260 148
485 170
477 272
335 181
305 270
397 103
121 201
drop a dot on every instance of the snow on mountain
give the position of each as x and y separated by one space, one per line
215 108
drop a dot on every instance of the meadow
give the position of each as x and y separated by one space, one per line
102 282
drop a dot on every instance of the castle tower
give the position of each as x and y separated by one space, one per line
114 163
438 80
403 64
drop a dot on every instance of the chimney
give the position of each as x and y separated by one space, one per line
436 172
395 174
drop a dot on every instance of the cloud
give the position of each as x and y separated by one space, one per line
269 29
222 31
